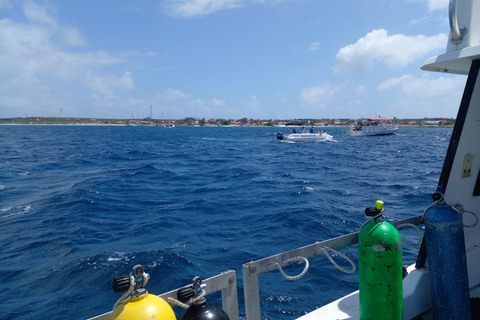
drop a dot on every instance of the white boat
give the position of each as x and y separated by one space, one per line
134 124
377 126
304 136
444 283
431 123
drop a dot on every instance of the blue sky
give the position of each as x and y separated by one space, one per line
260 59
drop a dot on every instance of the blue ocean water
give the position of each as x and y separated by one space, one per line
80 205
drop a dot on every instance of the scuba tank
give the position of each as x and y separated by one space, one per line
447 264
136 303
380 268
199 309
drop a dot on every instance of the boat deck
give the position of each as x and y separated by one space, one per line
347 307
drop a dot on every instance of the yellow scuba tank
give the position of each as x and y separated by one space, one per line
136 303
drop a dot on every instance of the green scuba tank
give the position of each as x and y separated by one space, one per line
380 268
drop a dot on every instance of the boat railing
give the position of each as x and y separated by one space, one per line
253 269
225 282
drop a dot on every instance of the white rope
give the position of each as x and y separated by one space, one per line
123 298
284 262
473 214
325 251
411 225
177 303
462 212
197 298
431 205
372 218
187 304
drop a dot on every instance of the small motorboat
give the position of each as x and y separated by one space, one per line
304 136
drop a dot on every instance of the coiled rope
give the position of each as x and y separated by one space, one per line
325 251
299 258
473 214
411 225
307 264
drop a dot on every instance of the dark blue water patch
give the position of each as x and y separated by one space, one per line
80 205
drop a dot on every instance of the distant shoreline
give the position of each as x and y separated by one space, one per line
205 126
244 122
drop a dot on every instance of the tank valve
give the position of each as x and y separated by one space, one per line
376 211
199 309
133 282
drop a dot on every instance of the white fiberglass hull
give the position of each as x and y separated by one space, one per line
304 137
380 130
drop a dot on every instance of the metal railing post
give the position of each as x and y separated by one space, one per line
251 292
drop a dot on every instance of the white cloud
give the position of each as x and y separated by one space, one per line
320 95
252 106
191 8
314 46
184 105
109 83
171 95
424 86
72 36
35 13
395 51
37 60
434 4
356 103
437 4
210 108
429 95
361 89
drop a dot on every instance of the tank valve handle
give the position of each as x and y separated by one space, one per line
193 294
375 211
